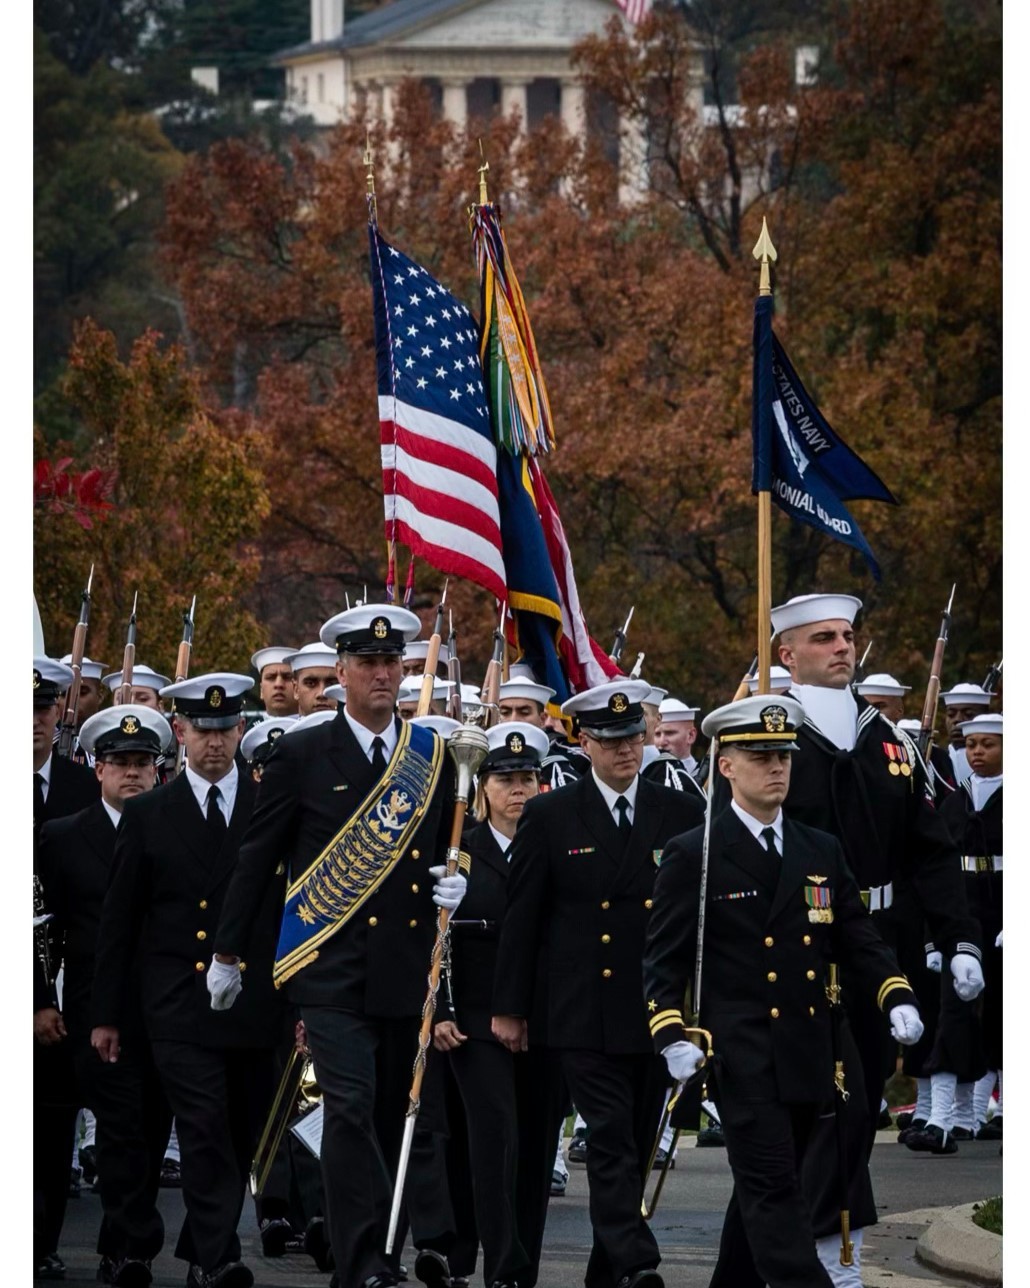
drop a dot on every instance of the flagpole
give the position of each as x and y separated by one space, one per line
765 251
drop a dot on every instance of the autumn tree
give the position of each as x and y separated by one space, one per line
187 501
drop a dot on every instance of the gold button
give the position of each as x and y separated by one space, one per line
807 940
648 903
771 977
199 966
243 965
416 854
605 906
607 974
373 921
413 924
809 974
811 1010
775 1013
201 934
606 939
414 889
203 903
768 941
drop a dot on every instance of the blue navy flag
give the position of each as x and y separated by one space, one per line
798 458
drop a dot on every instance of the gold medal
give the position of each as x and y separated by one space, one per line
895 768
823 915
906 769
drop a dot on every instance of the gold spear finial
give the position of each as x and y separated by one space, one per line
370 177
483 169
765 251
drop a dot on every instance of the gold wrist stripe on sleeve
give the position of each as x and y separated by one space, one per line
663 1019
889 985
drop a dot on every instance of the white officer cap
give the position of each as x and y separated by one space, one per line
804 609
443 725
779 678
371 628
882 686
411 689
142 678
611 710
261 737
766 722
310 655
129 727
270 656
514 746
673 711
89 669
967 695
520 687
987 723
49 680
212 701
416 651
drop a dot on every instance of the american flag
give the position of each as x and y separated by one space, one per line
635 10
438 454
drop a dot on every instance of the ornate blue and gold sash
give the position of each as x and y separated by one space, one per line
362 854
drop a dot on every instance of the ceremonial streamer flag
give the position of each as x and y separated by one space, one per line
805 466
438 454
549 628
635 10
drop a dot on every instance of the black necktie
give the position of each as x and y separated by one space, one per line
769 837
622 806
378 755
38 801
215 817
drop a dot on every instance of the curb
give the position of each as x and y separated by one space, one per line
952 1243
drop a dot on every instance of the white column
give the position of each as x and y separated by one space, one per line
455 101
633 172
573 109
514 96
389 102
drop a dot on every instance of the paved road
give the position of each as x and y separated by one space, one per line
687 1224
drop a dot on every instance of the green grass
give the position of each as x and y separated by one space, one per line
987 1215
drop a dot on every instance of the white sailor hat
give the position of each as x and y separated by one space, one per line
766 722
514 746
656 697
525 687
270 656
212 701
259 741
470 696
779 678
338 692
803 609
310 655
882 686
89 669
522 671
909 725
443 725
411 689
987 723
673 711
142 678
967 695
416 651
310 720
50 678
610 710
129 727
371 628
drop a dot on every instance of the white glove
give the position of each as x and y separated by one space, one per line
224 983
906 1025
934 962
683 1058
448 891
969 978
997 942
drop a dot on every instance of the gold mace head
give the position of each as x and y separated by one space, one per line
467 747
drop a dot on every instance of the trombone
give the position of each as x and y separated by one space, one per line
297 1086
647 1210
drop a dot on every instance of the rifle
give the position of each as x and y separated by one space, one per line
860 668
425 696
637 666
453 672
992 677
620 639
933 688
491 690
124 693
182 670
839 1112
66 741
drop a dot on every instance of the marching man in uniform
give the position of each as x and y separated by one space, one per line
781 905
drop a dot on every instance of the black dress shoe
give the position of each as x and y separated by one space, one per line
961 1133
578 1147
384 1279
884 1120
51 1267
990 1130
276 1233
711 1137
88 1162
231 1274
431 1268
904 1120
917 1124
131 1272
932 1140
171 1177
642 1279
558 1183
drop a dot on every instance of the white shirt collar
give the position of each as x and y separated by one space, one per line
959 764
226 787
44 772
610 796
756 828
503 841
834 712
365 736
113 814
982 789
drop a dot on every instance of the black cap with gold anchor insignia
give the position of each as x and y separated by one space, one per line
50 678
514 745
